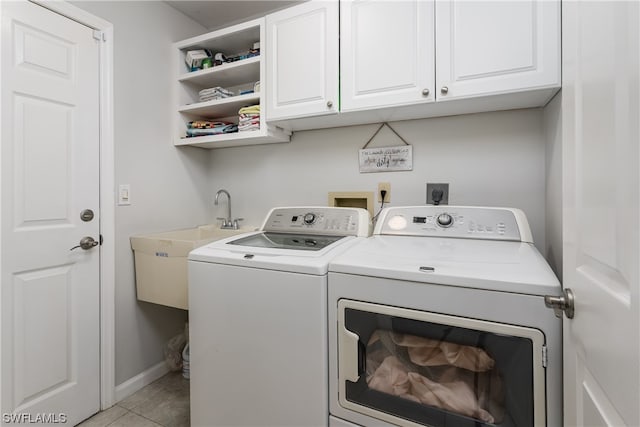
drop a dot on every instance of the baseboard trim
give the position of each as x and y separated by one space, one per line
145 378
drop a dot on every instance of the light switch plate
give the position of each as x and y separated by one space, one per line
124 195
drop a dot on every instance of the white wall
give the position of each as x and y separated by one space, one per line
488 159
491 159
169 187
552 123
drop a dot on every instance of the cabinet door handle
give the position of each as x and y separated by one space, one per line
329 104
444 90
425 92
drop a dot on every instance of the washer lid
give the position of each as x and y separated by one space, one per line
304 242
482 264
231 251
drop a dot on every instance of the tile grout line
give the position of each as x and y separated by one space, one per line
139 414
119 416
136 414
149 419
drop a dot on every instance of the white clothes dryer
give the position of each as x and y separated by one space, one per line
258 319
439 319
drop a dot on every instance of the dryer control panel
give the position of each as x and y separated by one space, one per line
318 220
467 222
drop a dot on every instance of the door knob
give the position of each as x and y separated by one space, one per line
86 243
444 90
425 92
329 104
563 303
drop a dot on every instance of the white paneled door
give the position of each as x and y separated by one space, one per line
600 104
50 174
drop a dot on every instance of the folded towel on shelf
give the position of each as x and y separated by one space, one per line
249 118
206 127
206 124
214 93
246 128
250 109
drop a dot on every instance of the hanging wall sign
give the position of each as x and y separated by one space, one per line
386 159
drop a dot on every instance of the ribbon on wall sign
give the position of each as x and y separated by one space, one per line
386 159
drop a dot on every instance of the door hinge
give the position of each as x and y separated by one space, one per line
545 356
101 240
99 35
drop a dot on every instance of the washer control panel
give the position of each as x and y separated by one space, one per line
466 222
318 220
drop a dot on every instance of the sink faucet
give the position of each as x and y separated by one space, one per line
227 223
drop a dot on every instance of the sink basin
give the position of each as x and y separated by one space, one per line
161 262
200 235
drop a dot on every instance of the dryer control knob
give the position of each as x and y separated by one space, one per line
309 218
445 220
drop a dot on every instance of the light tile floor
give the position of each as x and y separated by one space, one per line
163 403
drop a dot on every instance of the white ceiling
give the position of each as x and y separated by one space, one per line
214 14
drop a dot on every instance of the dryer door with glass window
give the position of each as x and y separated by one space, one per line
410 367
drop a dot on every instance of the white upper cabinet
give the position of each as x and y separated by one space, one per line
386 52
496 47
409 59
302 63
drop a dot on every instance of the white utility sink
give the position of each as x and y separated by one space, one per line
161 262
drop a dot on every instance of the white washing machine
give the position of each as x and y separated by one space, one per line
258 319
439 319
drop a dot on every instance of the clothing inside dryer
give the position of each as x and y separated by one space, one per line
440 375
458 378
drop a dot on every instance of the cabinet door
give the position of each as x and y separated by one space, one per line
386 53
302 61
495 47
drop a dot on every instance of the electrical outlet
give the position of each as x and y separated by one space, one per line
444 187
386 186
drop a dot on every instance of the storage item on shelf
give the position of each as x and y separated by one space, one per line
207 127
194 58
249 118
243 55
219 59
214 93
207 63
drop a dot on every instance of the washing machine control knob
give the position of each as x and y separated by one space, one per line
309 218
444 220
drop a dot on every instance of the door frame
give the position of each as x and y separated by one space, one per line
107 192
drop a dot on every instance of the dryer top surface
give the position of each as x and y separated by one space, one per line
506 266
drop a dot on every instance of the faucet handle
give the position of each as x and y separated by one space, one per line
235 223
224 222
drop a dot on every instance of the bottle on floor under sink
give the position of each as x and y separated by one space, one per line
185 362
